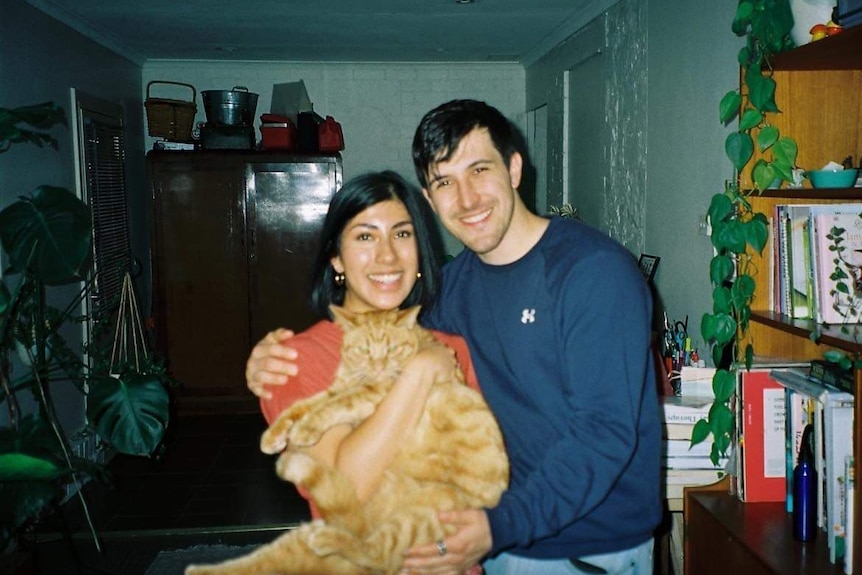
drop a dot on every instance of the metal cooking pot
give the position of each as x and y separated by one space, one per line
234 107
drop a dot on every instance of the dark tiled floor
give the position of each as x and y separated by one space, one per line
211 484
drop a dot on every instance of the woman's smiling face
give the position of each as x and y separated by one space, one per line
378 257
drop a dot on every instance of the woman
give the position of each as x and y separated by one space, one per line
378 251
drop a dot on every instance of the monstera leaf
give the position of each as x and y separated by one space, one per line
40 116
48 233
30 474
130 412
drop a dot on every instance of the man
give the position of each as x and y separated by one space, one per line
557 318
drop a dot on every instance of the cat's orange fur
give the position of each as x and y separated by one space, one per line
455 459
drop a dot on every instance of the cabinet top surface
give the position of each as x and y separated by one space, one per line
766 529
840 52
245 155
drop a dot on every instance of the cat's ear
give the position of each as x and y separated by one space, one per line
341 315
409 316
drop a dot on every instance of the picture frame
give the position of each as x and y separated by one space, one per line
648 265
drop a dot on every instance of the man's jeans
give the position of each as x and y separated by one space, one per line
635 561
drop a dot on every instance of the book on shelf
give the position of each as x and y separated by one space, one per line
838 443
674 431
803 262
833 305
781 267
849 515
685 408
684 448
798 381
764 438
832 374
693 476
693 462
763 457
676 480
832 414
799 262
696 380
768 255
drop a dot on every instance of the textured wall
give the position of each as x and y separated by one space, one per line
625 190
620 34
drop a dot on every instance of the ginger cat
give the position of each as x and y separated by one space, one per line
455 459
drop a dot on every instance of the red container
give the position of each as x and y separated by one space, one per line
330 136
277 133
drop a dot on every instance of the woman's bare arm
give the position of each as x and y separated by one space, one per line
365 452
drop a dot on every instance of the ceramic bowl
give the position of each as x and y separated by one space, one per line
830 179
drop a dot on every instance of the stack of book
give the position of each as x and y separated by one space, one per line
685 464
696 381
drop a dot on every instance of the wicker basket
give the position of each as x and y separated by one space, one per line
171 119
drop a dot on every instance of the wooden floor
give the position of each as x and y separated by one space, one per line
211 484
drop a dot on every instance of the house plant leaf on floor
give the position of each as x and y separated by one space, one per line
47 240
757 150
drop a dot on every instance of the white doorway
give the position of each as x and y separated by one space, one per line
586 139
537 142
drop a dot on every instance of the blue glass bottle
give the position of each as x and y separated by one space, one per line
805 490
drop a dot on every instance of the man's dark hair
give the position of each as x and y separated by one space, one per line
443 128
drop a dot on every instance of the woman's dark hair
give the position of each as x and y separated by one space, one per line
355 196
443 128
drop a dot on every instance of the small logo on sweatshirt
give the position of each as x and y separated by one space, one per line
528 316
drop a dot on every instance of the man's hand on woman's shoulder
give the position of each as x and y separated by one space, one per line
272 362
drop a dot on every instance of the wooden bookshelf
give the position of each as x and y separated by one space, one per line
725 535
819 91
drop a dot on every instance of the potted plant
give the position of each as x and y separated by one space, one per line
46 237
758 154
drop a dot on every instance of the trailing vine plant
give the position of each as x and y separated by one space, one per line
739 232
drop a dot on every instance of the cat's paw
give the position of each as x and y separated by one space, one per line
294 467
303 436
275 438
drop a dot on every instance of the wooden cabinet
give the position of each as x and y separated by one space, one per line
232 235
819 90
726 536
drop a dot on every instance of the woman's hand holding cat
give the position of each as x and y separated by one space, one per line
271 362
464 549
437 361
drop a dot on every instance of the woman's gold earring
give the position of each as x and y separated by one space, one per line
339 279
418 275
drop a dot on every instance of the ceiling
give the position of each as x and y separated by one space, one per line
328 30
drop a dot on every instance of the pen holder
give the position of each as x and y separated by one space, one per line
676 385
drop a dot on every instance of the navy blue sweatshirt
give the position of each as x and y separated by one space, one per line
561 344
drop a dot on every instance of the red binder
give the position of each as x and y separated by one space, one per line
763 463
